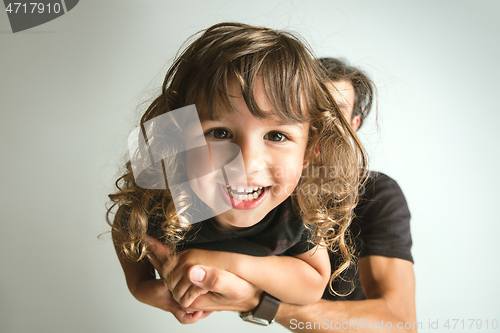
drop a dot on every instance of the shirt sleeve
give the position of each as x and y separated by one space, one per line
382 221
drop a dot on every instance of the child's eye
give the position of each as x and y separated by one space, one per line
219 133
276 137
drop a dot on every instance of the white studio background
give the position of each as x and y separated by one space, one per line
69 91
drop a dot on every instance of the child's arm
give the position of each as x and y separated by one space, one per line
297 280
143 285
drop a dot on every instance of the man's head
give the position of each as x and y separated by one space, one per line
352 89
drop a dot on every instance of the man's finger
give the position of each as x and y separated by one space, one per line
160 257
190 295
191 318
161 251
179 288
216 280
154 260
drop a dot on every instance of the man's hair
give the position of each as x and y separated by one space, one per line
338 70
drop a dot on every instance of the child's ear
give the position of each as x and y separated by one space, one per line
311 155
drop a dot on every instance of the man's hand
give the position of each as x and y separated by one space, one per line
181 276
146 288
156 293
202 287
227 292
174 271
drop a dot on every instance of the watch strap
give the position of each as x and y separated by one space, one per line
265 311
267 308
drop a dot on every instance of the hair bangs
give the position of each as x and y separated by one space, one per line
279 65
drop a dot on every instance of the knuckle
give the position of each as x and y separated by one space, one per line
185 302
188 298
216 283
176 296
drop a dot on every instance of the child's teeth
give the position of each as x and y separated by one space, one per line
245 194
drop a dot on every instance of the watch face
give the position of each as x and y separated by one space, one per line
248 317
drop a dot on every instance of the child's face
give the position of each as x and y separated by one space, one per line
273 155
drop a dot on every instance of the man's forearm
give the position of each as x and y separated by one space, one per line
373 315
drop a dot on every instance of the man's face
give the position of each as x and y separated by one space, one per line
343 93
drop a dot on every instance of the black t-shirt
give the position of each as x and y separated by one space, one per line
281 232
381 227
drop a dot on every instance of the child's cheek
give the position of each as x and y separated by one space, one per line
287 172
206 188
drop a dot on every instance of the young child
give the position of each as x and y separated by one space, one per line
261 90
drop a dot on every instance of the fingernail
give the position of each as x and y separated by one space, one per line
197 274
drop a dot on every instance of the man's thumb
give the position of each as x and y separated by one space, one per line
197 274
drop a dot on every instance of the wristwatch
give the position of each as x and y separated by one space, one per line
265 311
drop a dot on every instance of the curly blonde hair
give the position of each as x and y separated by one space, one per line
328 190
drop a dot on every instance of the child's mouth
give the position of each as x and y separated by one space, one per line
243 197
245 194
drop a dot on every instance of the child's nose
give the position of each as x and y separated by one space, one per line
253 156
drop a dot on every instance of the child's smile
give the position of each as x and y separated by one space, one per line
243 196
273 155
